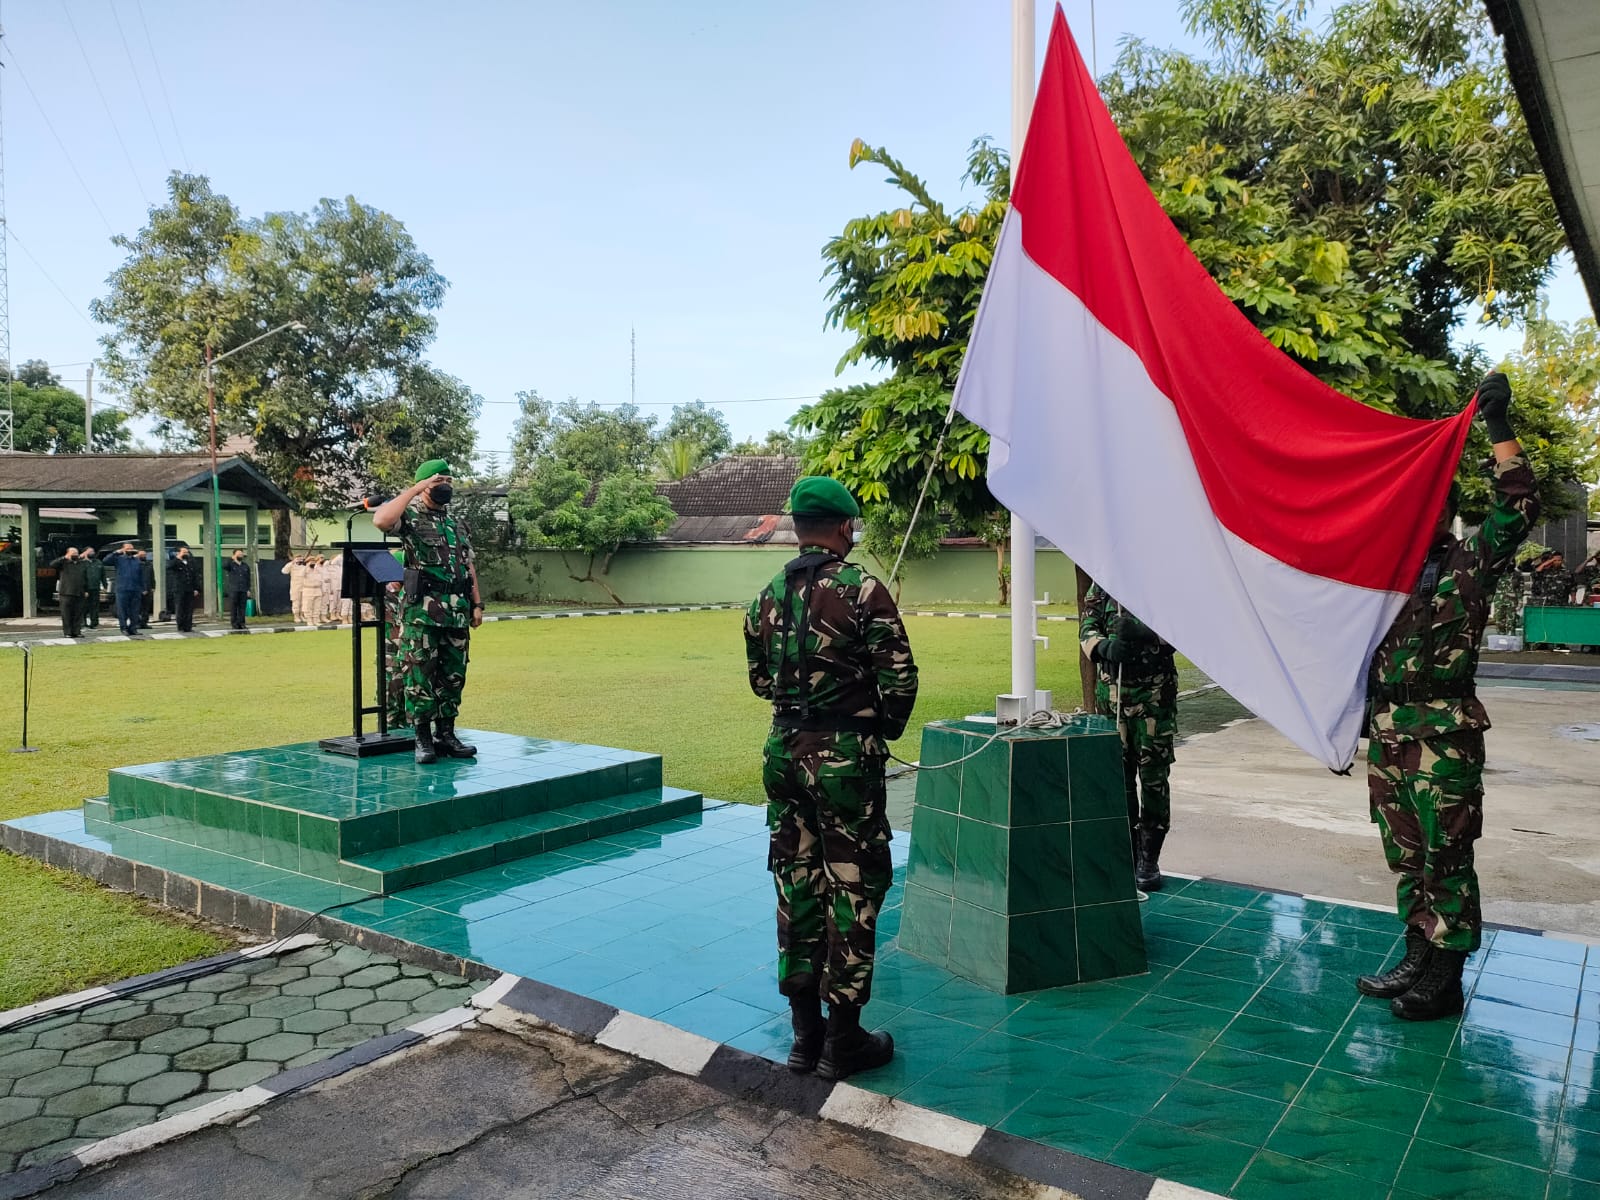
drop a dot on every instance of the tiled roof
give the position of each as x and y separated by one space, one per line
743 486
82 477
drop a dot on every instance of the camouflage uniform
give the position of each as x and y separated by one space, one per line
1425 722
1506 611
436 619
824 761
1551 587
1146 708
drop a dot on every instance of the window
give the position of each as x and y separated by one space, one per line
233 535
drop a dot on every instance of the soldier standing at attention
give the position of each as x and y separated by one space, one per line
184 582
69 591
1136 681
1425 725
236 588
825 644
440 607
94 582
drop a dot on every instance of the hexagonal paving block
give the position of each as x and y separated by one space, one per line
132 1068
346 999
440 999
217 1014
248 1029
52 1082
166 989
374 976
117 1120
96 1053
82 1102
380 1012
344 960
165 1088
349 1035
280 1047
22 1039
113 1012
53 1152
307 955
281 1006
318 1020
34 1132
70 1037
19 1108
213 1056
184 1002
248 995
145 1026
222 981
316 985
412 971
314 1055
241 1075
188 1102
405 989
174 1041
279 975
26 1062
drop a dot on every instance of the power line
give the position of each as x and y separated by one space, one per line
23 246
137 82
162 80
94 78
676 403
67 154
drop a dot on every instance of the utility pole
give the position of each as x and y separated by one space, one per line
633 366
88 410
7 444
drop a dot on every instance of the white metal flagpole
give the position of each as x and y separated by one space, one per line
1023 588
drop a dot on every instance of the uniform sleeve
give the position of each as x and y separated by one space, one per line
884 634
1094 620
1516 507
755 650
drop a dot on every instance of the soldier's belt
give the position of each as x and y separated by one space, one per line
428 586
825 723
1421 693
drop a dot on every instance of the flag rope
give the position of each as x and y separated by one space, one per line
916 510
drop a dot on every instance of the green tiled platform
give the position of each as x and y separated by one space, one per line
385 823
1244 1062
1021 872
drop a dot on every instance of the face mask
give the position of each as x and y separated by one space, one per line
441 493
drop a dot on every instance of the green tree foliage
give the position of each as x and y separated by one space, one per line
702 427
47 418
679 458
784 442
598 442
320 406
530 437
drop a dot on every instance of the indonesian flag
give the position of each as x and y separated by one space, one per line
1267 526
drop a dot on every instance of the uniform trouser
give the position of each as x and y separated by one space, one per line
183 610
71 614
829 858
1427 800
91 609
1148 723
128 611
395 687
297 604
435 670
147 607
236 603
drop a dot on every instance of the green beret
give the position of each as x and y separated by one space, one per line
820 496
434 466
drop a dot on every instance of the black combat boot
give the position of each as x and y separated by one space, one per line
1397 980
425 750
1437 993
1147 859
848 1048
448 744
805 1014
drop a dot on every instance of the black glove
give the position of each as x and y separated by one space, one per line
1494 405
1111 650
1134 631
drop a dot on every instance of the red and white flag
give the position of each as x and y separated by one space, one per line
1263 523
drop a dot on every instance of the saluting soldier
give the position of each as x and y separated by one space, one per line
1425 724
825 644
94 582
1136 681
440 607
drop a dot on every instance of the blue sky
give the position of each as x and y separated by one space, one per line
573 170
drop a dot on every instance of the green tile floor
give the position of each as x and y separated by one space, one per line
1243 1063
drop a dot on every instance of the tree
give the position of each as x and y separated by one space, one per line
530 437
598 442
318 405
678 458
36 373
556 509
702 426
782 442
47 418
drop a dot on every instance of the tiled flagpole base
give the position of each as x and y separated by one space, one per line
1021 873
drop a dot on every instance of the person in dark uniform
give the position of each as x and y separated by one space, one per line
127 587
184 582
94 582
147 590
69 591
236 587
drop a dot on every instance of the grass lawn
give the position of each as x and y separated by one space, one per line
672 683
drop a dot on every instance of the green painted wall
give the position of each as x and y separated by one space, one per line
723 574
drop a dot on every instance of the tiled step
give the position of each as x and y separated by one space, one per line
441 857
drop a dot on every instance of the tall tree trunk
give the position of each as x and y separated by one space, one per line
280 534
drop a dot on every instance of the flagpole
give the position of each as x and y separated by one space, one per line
1024 616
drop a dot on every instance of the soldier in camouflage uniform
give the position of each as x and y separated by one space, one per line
439 609
395 671
1136 681
1425 725
1552 583
1506 610
825 644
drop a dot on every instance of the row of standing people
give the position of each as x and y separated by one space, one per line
314 586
